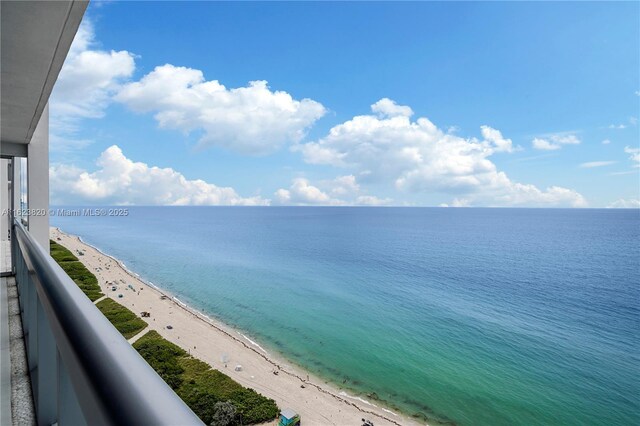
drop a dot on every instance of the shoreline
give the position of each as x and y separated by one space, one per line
346 408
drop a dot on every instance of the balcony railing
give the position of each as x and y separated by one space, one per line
83 372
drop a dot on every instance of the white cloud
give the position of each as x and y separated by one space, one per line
565 139
606 142
592 164
509 193
628 172
89 76
385 108
460 202
251 120
344 185
341 191
302 192
88 80
632 121
634 154
121 181
544 145
495 137
370 200
622 203
417 156
555 141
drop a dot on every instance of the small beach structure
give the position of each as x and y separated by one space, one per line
288 417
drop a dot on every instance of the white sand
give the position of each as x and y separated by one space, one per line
318 403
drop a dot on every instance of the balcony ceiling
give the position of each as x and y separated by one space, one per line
35 37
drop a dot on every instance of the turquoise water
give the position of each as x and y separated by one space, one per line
468 316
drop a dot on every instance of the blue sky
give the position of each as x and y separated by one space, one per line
483 104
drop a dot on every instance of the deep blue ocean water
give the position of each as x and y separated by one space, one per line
473 316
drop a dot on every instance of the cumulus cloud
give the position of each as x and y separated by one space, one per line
554 141
385 107
89 76
606 142
634 154
622 203
341 191
302 192
344 185
370 200
507 193
495 137
544 145
88 79
252 120
565 139
121 181
592 164
417 156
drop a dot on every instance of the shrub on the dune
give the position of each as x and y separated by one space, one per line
203 388
87 282
125 321
162 356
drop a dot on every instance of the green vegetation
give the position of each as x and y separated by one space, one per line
215 397
87 282
122 318
201 387
125 321
224 414
61 253
162 356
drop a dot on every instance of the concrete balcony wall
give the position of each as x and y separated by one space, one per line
38 180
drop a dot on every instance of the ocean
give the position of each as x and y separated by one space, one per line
465 316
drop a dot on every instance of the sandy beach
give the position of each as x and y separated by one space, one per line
318 402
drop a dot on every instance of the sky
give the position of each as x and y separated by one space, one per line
509 104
